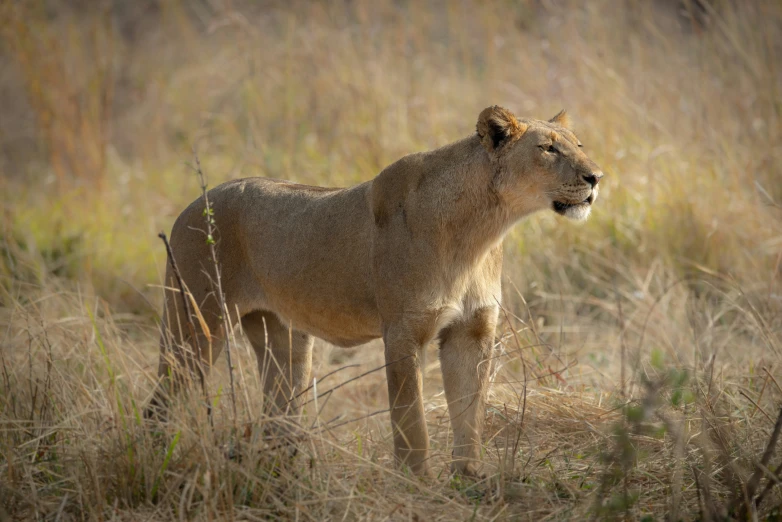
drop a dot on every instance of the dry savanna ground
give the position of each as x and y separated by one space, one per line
640 353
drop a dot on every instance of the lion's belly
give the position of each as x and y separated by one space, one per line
329 317
344 331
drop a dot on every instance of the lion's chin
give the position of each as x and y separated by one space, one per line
575 211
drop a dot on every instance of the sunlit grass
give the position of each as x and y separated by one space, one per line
678 269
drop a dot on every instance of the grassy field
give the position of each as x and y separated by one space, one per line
641 351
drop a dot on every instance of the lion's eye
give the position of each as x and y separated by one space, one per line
552 149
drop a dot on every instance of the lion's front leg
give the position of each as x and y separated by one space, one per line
465 352
411 438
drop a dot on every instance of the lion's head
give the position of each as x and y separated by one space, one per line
541 164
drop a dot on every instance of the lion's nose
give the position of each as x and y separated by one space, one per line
593 178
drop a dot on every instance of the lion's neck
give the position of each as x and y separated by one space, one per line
475 218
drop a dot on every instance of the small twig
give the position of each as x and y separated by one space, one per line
551 373
622 379
760 396
705 516
705 487
308 388
177 275
772 443
757 406
773 379
770 475
326 427
210 230
678 433
770 485
754 480
517 442
623 345
323 394
61 509
190 322
711 363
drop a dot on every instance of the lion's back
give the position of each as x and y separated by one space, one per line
281 241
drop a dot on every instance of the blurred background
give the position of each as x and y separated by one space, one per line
102 104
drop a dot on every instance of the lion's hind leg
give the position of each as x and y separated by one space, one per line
284 360
190 342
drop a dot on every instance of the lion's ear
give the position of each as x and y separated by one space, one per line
561 119
496 125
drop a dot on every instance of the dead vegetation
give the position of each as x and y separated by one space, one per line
639 361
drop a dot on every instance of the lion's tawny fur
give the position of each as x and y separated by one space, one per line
411 255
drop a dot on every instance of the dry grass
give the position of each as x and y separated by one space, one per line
641 353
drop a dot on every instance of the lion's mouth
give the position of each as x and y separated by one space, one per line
560 207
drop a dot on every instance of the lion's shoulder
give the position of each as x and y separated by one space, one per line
391 187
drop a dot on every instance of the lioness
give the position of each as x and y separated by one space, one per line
413 254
